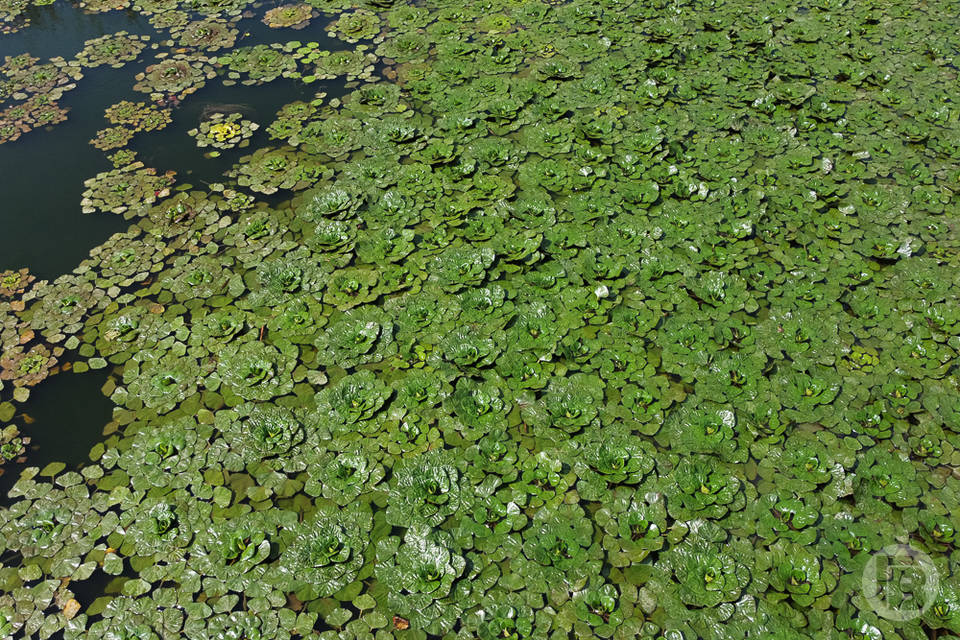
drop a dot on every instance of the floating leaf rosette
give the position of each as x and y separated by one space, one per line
112 138
26 368
12 17
224 131
293 16
115 191
355 26
352 64
29 90
260 63
139 116
160 383
169 457
122 157
127 258
427 490
12 444
598 320
326 552
292 117
268 170
232 552
177 75
161 525
164 16
422 567
257 371
35 112
113 49
24 75
343 475
14 283
102 6
352 404
208 34
257 432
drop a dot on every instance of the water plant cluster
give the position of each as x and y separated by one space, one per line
294 16
30 90
13 14
29 93
129 118
592 319
224 131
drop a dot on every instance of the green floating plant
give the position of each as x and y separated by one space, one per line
422 569
113 49
543 320
326 553
224 131
294 16
115 191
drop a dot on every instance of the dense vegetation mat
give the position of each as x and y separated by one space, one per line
615 319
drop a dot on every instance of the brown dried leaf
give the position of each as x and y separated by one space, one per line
71 609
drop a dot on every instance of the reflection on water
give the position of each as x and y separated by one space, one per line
259 104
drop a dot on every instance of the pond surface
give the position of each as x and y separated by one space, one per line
43 173
64 418
440 319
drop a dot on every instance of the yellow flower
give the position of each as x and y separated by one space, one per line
223 131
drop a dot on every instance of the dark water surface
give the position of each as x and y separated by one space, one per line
60 29
166 149
66 415
42 173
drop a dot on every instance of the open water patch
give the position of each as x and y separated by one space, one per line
64 417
